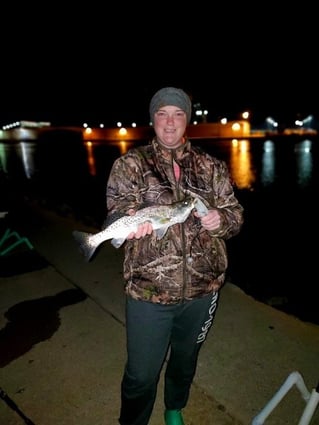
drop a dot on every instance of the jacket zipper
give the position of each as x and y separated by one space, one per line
177 176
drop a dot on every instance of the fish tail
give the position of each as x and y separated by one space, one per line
87 248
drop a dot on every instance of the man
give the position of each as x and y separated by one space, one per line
172 284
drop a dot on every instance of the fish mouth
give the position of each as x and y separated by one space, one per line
200 207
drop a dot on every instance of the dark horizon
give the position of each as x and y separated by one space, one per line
109 115
86 70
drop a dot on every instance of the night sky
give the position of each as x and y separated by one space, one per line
98 65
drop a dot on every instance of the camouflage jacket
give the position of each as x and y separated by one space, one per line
189 261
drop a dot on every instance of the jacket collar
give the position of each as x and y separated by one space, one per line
167 153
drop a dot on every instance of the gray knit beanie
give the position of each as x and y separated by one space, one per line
171 96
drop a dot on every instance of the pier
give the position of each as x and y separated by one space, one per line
29 131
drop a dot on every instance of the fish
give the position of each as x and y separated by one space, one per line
200 207
161 217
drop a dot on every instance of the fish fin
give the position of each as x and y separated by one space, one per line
82 239
112 218
117 242
160 233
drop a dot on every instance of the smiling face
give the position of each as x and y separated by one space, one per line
170 124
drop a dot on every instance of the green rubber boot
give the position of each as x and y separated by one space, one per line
173 417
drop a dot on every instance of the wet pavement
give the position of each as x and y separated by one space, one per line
62 340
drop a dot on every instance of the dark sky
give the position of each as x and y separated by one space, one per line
98 65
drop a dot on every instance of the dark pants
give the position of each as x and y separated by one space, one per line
152 330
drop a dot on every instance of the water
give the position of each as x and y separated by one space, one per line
273 258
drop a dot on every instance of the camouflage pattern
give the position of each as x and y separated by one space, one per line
189 261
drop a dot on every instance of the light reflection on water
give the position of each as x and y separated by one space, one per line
27 160
276 181
90 158
243 162
267 174
304 162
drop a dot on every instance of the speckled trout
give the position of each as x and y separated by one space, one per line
161 217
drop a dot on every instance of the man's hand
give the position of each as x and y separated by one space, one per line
210 221
143 229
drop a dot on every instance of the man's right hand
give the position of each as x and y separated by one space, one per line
143 229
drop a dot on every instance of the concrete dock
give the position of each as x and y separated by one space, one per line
62 340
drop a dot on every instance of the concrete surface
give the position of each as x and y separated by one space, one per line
62 364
